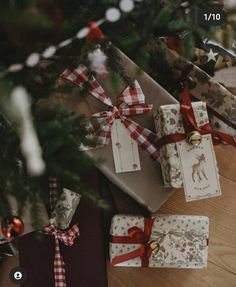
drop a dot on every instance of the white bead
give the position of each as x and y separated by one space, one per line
82 33
49 52
15 68
65 43
33 60
126 5
113 14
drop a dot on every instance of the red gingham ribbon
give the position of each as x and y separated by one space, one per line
66 237
132 102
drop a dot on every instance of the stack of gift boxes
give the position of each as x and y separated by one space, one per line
171 139
170 147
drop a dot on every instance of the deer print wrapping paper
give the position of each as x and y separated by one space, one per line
183 165
172 241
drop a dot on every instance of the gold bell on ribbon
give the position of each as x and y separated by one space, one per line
194 138
154 246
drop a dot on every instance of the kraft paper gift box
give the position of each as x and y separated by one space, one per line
220 101
175 241
168 120
134 183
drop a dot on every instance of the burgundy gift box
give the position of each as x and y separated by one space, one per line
85 259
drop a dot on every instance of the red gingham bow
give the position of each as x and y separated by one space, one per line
67 237
132 102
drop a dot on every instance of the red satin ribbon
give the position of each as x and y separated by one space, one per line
136 236
190 124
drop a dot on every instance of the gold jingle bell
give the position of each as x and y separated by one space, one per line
154 246
194 138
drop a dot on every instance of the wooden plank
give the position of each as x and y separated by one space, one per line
213 276
226 159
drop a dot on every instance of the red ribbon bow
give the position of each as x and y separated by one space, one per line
136 236
132 102
190 124
66 237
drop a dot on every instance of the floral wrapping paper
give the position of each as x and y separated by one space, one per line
168 120
65 209
183 240
219 99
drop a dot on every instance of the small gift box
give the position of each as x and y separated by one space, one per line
173 241
65 209
168 121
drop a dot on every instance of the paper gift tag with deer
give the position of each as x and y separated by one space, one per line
185 165
198 168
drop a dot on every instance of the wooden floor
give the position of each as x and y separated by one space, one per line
221 211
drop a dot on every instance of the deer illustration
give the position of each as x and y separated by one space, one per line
198 168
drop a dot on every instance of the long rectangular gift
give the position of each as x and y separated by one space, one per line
169 120
220 101
172 241
102 103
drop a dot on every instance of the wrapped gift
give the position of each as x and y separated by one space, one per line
173 241
168 121
220 101
135 182
65 209
226 77
187 154
85 261
69 257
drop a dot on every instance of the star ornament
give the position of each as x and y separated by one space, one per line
211 56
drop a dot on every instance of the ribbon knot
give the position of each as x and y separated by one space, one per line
67 238
136 236
116 112
132 102
190 124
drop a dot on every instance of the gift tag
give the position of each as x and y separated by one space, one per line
125 149
199 169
